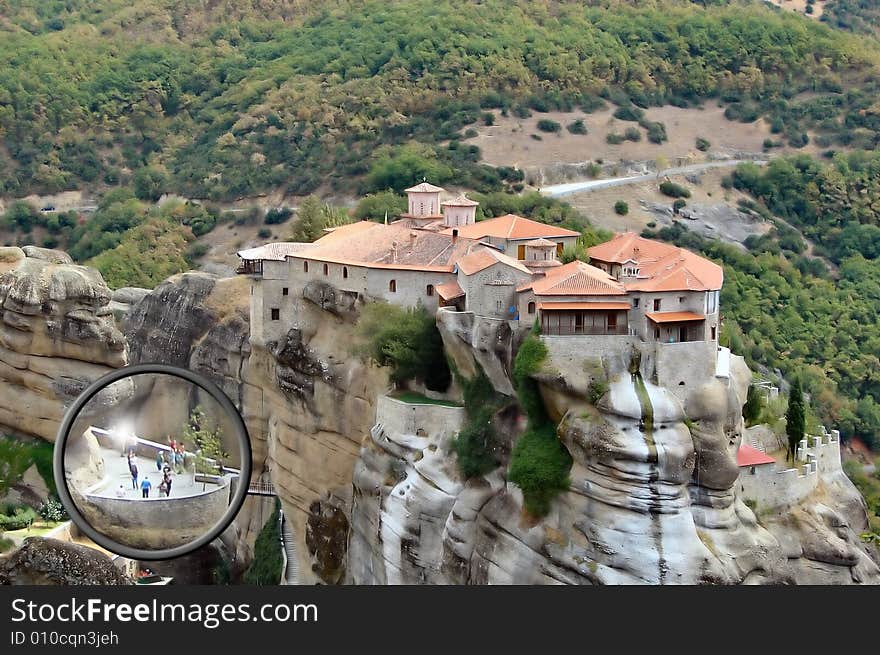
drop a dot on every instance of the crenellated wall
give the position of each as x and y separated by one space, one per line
773 489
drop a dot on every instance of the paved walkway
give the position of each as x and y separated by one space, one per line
116 473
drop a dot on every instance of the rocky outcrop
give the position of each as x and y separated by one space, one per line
652 497
56 337
316 403
53 562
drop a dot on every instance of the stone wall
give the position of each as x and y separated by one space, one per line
417 418
155 523
772 489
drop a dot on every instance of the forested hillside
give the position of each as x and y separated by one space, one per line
227 99
224 99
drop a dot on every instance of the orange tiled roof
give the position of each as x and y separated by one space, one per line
449 291
395 246
423 187
460 201
577 278
674 317
482 259
540 243
750 456
583 305
662 267
511 226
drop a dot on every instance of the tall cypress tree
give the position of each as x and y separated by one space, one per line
795 417
754 403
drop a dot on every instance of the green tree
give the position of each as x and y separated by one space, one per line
621 208
407 340
205 438
754 405
308 224
795 417
150 183
377 206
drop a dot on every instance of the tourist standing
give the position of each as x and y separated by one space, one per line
159 460
133 469
145 487
167 482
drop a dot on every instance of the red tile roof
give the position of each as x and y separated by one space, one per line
482 259
511 226
749 456
449 291
576 279
424 187
395 246
662 267
460 201
674 317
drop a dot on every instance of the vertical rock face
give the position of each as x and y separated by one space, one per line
653 496
56 337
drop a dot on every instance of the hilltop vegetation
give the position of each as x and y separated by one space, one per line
224 100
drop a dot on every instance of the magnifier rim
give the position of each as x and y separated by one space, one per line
99 385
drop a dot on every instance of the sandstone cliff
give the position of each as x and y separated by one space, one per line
653 495
56 337
652 499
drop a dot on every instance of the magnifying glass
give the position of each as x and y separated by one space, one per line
152 462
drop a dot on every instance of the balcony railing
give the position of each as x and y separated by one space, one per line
250 267
574 330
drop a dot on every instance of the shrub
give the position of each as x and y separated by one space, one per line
628 113
703 144
528 361
268 563
488 118
149 183
20 519
264 233
536 137
278 215
406 340
614 138
596 390
52 510
621 208
656 131
539 466
546 125
674 190
632 134
577 127
475 444
470 133
678 204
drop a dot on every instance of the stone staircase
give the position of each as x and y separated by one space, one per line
290 567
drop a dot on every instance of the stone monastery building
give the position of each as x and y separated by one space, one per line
505 268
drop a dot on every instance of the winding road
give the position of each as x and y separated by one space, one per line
558 190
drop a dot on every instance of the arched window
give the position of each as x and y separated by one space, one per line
430 290
531 307
326 269
305 267
392 286
345 272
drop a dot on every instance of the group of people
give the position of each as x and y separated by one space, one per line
166 463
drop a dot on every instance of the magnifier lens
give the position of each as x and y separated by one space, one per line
152 462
